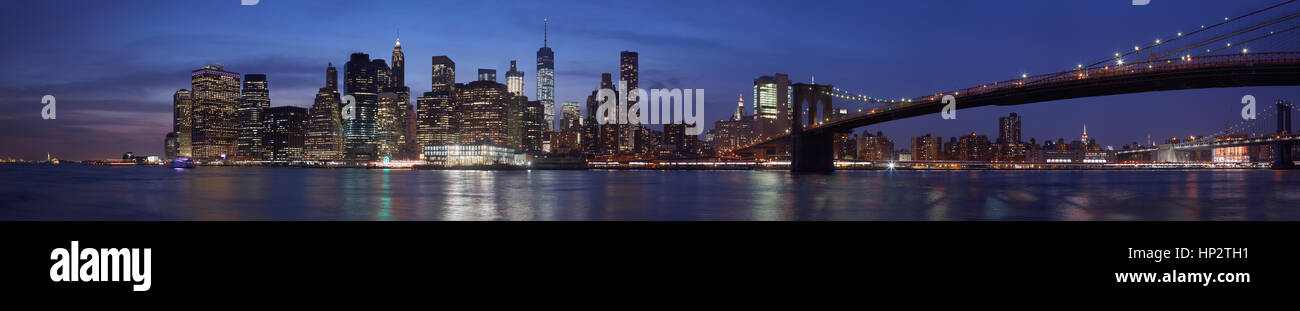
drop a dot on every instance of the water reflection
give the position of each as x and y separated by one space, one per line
232 193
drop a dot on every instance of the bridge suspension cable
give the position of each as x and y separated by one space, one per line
1138 49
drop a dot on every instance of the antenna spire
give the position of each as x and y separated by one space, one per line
545 29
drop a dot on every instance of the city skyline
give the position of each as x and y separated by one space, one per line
137 119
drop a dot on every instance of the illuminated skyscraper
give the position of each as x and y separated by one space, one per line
182 123
546 77
740 109
362 82
485 74
324 139
515 123
215 99
443 75
388 126
610 132
772 97
515 81
398 59
483 114
405 114
629 68
570 116
255 98
535 127
437 115
1009 129
438 120
284 134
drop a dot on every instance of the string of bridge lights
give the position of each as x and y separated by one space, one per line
1118 58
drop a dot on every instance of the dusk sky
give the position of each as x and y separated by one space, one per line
113 65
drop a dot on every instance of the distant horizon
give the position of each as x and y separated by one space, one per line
113 66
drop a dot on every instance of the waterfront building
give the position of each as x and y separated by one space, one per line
876 147
182 123
483 114
772 98
215 100
974 148
927 148
535 129
629 73
324 141
469 155
285 133
255 97
362 80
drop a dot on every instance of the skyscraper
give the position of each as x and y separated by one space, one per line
215 99
171 147
570 116
628 72
182 123
438 120
399 65
388 126
772 97
515 81
255 98
610 132
405 114
483 114
546 77
361 81
1009 129
516 126
485 74
285 129
740 109
535 127
437 115
443 75
1008 146
324 139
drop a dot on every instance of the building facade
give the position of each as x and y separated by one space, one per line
182 123
215 100
325 122
483 114
255 97
546 79
285 133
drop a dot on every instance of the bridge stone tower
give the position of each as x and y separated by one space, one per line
1282 158
811 151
